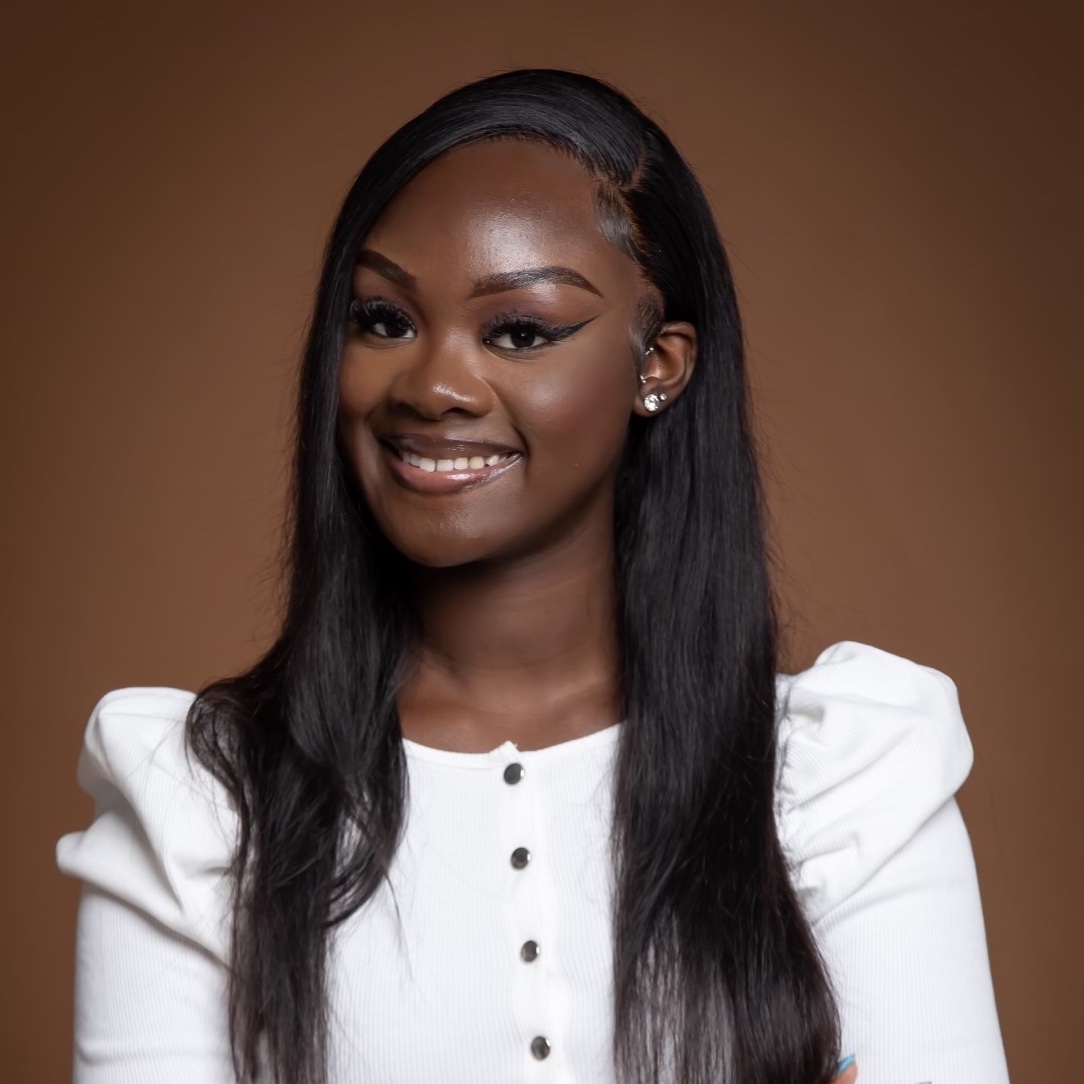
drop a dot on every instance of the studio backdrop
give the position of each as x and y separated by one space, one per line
899 185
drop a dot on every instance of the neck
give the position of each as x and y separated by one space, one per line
522 650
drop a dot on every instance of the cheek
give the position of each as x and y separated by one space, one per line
579 412
359 394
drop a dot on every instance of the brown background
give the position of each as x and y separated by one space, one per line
900 188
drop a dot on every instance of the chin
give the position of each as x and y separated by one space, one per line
444 550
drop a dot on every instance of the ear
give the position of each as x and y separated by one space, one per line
666 368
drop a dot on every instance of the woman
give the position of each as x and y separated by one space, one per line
518 793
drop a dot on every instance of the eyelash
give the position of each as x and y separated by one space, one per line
516 321
365 315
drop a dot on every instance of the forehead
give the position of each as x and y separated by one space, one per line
498 205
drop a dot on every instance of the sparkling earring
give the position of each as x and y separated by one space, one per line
653 401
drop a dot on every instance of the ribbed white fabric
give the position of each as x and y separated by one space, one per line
427 981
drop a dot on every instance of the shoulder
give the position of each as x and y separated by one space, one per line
164 830
133 732
871 746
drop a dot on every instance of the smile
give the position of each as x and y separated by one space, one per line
428 474
450 466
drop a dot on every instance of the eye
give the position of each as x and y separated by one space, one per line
521 334
382 319
518 336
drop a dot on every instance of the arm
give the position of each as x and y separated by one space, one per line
907 952
153 926
874 748
149 1004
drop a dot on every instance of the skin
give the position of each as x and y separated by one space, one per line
513 573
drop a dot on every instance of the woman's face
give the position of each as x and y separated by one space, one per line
490 365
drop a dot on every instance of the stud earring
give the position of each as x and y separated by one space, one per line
653 401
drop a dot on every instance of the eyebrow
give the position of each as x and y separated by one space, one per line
531 276
490 284
386 268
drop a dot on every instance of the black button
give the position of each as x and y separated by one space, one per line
520 857
540 1047
514 773
529 951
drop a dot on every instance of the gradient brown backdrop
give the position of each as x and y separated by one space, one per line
900 188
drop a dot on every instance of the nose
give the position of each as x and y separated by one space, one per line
442 378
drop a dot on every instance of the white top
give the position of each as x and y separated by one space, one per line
873 749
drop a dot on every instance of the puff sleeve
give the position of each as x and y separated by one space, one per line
872 751
153 934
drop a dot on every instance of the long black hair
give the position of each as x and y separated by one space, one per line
717 977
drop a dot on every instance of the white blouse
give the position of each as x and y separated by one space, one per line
487 958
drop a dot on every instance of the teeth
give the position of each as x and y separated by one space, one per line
474 462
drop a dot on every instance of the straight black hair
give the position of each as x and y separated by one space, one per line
717 977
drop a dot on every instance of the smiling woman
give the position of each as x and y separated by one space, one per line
492 320
519 794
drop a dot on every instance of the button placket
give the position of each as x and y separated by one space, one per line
526 873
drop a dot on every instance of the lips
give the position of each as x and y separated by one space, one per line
459 463
432 465
444 447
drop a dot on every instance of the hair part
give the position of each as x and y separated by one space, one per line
717 976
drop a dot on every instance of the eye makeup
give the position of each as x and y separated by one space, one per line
510 332
526 333
381 318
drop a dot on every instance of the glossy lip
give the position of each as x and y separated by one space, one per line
423 481
444 447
